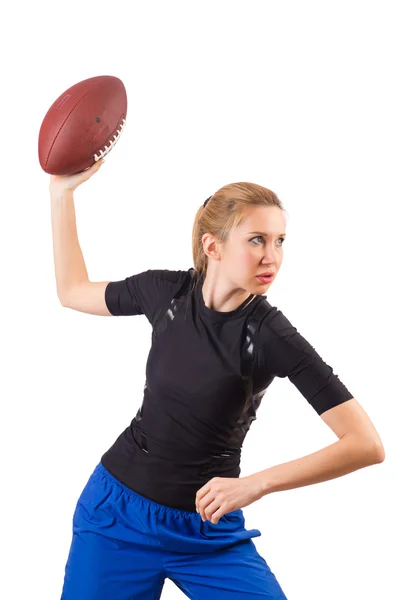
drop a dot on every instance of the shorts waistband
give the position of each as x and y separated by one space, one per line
154 524
101 471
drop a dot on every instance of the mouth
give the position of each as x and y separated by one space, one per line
265 277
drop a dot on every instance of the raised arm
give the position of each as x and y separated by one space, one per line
73 286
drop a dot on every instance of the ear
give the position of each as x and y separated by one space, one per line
212 247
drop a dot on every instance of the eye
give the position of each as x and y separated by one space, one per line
261 238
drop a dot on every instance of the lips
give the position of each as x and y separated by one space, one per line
266 278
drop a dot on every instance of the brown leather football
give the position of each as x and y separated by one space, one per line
82 125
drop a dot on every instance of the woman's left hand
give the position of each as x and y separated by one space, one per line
222 495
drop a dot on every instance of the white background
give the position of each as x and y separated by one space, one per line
299 97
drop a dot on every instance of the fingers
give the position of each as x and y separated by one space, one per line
71 182
94 167
91 170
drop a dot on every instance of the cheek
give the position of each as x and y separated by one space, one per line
248 264
243 258
247 258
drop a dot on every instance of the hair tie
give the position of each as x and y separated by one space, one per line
205 203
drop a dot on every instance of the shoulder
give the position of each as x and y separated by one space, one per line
267 316
281 344
144 292
172 276
275 331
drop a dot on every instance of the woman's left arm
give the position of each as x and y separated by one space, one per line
359 446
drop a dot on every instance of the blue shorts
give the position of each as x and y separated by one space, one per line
124 546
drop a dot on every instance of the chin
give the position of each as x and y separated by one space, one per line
261 288
256 287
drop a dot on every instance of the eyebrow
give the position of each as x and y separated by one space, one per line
262 233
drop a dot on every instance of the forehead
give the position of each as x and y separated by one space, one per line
268 219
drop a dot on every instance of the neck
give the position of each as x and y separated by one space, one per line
220 295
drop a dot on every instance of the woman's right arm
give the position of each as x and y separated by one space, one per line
73 286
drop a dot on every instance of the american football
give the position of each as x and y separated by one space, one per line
82 125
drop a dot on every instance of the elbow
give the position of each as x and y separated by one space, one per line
380 454
62 300
371 451
375 452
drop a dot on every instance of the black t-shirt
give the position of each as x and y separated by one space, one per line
197 404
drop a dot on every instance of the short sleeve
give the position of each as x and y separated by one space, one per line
284 352
143 293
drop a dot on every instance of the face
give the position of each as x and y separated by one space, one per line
254 247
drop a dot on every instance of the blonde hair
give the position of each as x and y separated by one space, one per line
225 211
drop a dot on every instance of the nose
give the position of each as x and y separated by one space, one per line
270 256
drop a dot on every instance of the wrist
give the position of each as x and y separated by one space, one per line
263 483
59 193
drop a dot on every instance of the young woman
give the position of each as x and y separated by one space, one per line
165 500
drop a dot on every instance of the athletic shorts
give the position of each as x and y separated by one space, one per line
124 546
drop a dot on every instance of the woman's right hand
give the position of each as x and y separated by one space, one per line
60 183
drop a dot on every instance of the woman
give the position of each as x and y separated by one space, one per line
165 500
